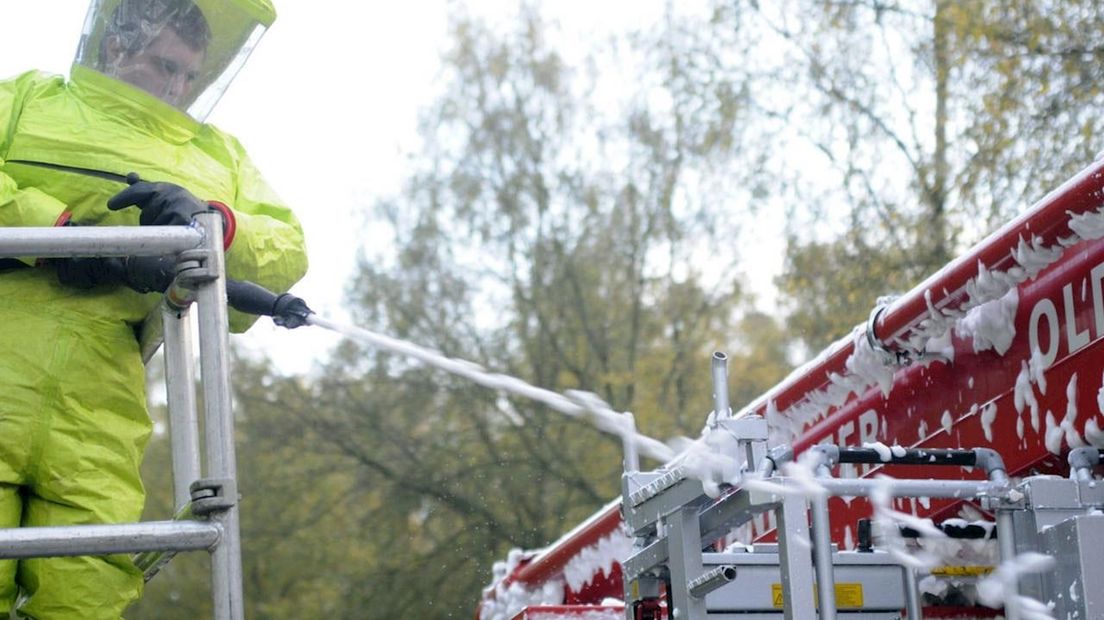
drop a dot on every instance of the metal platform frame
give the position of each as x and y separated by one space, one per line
673 519
207 512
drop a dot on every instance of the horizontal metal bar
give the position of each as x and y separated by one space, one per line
97 240
151 562
684 493
35 542
911 456
644 560
657 486
729 512
957 489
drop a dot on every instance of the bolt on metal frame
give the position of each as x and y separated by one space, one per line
207 514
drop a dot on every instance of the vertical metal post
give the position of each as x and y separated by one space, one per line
685 552
912 594
721 407
793 554
1006 542
822 555
180 383
214 344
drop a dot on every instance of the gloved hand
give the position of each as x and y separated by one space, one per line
162 204
85 273
144 274
290 311
149 274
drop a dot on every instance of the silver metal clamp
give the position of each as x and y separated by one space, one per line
896 357
210 495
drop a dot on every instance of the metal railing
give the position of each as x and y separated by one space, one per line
206 506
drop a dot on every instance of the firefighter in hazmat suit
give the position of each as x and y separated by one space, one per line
73 422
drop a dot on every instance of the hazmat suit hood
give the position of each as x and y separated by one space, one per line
183 52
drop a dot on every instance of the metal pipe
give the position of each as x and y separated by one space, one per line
822 558
712 580
911 456
990 460
1006 543
98 240
180 390
912 594
721 407
151 562
776 457
70 540
957 489
226 573
1082 461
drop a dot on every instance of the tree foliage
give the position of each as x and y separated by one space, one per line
911 128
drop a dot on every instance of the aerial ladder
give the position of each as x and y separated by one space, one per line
965 412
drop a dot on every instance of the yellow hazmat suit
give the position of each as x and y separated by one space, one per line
73 421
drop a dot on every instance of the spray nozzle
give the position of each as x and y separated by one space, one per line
286 310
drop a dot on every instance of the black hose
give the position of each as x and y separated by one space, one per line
914 456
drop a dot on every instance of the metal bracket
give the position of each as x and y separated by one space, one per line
210 495
192 267
191 271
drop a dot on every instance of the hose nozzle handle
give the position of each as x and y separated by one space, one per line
286 310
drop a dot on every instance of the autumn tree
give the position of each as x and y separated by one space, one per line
907 129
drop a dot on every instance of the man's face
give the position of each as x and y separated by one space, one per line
166 68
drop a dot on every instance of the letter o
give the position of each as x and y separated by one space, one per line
1044 307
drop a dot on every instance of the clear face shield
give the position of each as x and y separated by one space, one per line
184 52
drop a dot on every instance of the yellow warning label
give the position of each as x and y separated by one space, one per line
962 571
848 595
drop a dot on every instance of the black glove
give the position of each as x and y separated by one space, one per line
145 274
85 273
162 204
290 311
149 274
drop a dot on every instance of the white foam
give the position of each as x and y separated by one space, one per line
504 602
1073 438
1054 435
597 558
1024 395
1088 225
991 325
988 414
1093 434
995 589
883 451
